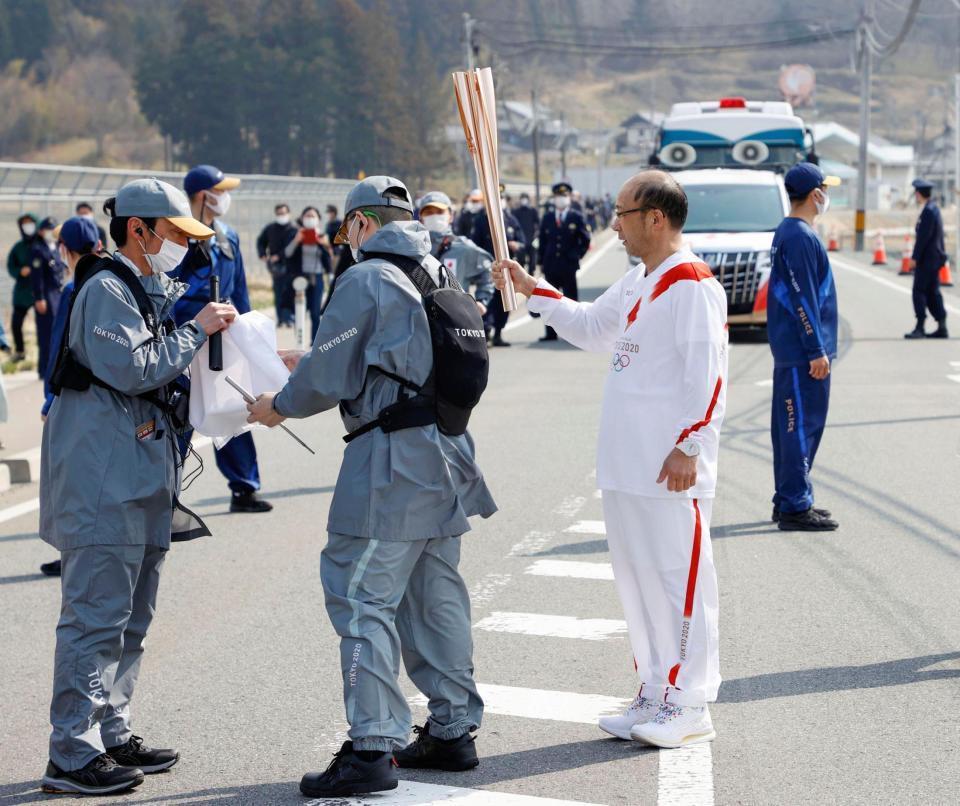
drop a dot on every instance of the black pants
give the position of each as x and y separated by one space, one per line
566 283
926 294
283 298
496 318
16 325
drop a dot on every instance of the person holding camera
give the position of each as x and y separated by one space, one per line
308 254
108 482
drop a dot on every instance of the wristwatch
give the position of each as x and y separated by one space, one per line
689 448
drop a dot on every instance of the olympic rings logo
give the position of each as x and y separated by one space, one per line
620 362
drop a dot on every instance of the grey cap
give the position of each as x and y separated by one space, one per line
435 198
371 192
151 198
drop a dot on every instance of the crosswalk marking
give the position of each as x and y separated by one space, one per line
570 568
685 777
586 629
587 528
414 793
535 703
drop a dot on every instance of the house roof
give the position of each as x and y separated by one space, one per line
878 149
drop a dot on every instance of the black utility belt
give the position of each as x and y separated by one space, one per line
411 413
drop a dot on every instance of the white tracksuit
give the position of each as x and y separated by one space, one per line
667 334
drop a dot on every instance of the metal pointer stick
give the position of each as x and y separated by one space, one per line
251 399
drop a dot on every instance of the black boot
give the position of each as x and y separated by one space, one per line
941 331
916 333
351 774
134 753
806 521
248 501
498 341
428 752
51 569
100 777
823 513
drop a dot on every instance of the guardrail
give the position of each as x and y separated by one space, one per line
56 189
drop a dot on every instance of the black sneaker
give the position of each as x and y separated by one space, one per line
349 774
136 754
428 752
499 342
939 333
51 569
249 502
99 777
823 513
806 521
916 333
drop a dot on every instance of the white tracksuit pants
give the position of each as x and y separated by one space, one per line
664 572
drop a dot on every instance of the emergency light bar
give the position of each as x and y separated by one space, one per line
733 103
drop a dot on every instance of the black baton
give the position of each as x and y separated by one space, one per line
216 340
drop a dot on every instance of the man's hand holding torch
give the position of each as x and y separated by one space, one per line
522 282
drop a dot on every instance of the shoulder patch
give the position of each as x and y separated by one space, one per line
684 271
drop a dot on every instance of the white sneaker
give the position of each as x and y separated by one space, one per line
676 726
640 710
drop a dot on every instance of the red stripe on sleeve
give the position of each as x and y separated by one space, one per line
707 417
547 292
684 271
632 316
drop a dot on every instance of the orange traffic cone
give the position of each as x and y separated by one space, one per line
907 256
833 245
879 251
945 277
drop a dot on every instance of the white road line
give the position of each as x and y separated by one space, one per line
955 364
531 544
535 703
486 588
954 378
588 264
570 506
570 568
764 382
587 528
414 793
685 777
17 510
877 278
585 629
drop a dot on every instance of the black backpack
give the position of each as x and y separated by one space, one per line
461 365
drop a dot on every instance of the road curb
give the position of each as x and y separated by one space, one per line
21 468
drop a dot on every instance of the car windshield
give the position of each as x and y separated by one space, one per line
733 208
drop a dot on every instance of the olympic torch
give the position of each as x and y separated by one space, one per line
478 114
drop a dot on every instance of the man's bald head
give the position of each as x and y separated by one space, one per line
655 190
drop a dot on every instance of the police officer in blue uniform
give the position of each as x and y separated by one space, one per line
46 277
209 192
929 255
495 319
564 240
802 329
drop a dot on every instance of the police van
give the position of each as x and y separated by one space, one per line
730 156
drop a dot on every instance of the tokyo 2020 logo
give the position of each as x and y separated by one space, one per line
620 362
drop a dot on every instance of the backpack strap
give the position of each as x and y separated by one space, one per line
418 275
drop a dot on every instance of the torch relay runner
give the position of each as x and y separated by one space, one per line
664 326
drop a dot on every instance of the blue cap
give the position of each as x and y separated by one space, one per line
207 177
804 177
79 234
922 184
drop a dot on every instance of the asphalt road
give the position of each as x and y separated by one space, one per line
840 652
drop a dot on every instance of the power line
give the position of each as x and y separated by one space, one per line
885 51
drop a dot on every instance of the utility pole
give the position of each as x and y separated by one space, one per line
468 25
956 162
536 146
866 70
563 146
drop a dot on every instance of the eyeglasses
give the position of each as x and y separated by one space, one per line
621 213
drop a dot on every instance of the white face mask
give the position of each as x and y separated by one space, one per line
218 203
283 220
824 205
88 216
167 258
50 238
561 202
29 229
311 222
438 222
355 250
473 206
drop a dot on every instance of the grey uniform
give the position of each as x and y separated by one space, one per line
402 500
107 491
469 263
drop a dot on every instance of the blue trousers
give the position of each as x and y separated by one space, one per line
800 406
237 461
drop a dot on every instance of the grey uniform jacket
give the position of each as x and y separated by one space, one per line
469 263
411 484
108 463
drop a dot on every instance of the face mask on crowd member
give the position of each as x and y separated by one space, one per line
822 201
359 232
218 202
283 219
435 219
311 221
524 201
561 202
168 256
49 237
28 228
